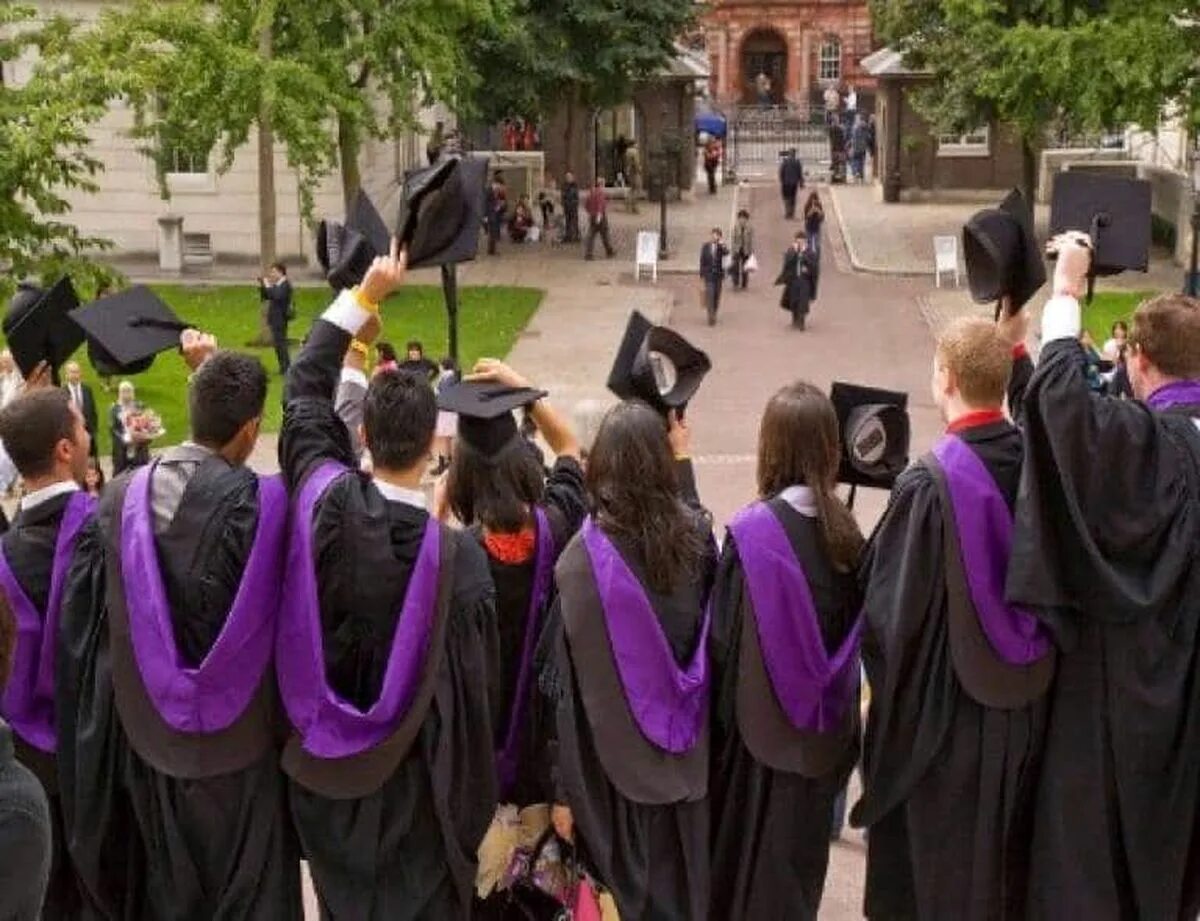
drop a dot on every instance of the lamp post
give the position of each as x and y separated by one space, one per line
1191 287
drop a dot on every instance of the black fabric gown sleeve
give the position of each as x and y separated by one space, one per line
1018 384
566 493
312 431
905 653
1107 523
105 848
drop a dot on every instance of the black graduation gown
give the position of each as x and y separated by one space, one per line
948 782
770 827
565 504
799 279
1105 544
408 849
153 843
654 858
29 549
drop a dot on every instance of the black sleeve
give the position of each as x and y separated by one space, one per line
685 474
105 846
904 650
567 494
1107 520
552 667
1018 384
724 643
312 431
25 833
462 762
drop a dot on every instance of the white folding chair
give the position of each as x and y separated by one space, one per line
945 259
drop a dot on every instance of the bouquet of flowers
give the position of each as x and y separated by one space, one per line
144 425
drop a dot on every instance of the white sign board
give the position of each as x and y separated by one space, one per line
945 255
647 254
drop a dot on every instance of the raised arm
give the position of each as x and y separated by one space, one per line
550 422
312 431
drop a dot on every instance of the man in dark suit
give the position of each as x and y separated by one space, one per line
82 399
712 273
791 180
799 279
276 290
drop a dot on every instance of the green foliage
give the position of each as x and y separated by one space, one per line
589 50
1042 64
489 321
43 155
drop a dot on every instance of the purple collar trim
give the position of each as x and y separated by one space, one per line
28 702
813 687
1177 393
209 697
984 525
328 725
668 704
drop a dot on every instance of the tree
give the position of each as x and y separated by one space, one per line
573 53
43 154
1039 64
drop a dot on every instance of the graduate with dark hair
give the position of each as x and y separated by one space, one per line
623 710
784 650
1105 546
175 804
386 650
958 675
45 435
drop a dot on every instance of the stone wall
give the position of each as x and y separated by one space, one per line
802 27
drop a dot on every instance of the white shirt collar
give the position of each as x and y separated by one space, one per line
46 493
394 493
800 498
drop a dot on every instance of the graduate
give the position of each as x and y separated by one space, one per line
522 518
624 675
170 763
784 651
45 436
958 676
386 635
1105 546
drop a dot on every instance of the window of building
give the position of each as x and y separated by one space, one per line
975 143
181 160
829 64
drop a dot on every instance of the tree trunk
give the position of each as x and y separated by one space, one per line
348 149
266 181
569 138
1029 171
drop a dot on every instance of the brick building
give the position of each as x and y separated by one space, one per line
802 46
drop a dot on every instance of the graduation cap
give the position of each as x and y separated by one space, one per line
485 412
441 210
657 365
875 434
38 325
126 330
346 251
1115 211
1002 254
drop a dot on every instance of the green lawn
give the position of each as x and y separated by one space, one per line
1109 306
489 321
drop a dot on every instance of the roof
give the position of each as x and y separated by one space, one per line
888 62
684 65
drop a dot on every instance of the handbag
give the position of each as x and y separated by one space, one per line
752 263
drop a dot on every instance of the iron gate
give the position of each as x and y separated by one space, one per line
758 134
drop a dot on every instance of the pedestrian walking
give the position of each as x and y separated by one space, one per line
791 179
712 273
799 280
833 104
814 218
712 161
859 143
570 204
497 208
597 211
742 246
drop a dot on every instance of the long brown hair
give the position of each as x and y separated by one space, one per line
635 494
799 444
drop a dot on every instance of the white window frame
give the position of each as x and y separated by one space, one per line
977 143
827 57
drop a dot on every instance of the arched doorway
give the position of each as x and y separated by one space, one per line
764 54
